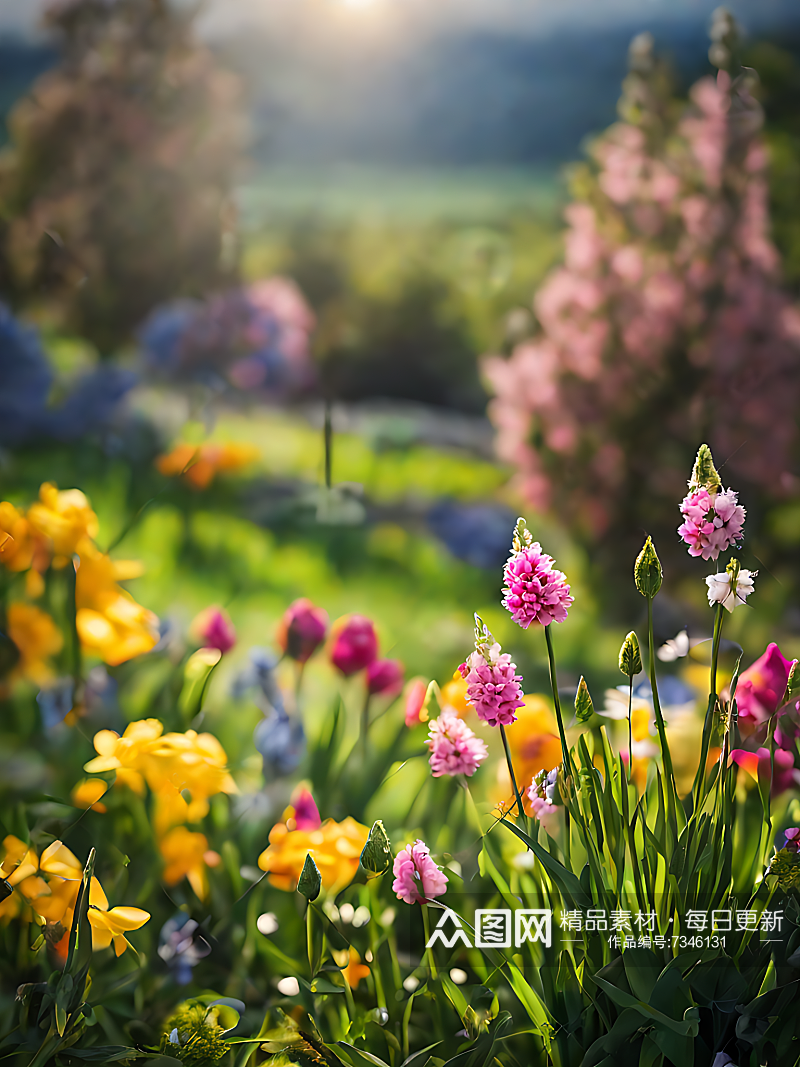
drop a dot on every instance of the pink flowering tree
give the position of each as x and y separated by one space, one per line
666 321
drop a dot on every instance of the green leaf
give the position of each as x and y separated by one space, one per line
647 572
630 656
196 676
107 1053
359 1058
584 708
416 1059
310 882
377 853
566 881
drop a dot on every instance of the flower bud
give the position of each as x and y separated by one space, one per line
704 473
213 627
630 656
302 630
584 707
355 644
377 853
647 570
310 881
385 676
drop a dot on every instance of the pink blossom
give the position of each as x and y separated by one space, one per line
354 645
535 591
713 521
416 876
416 691
453 746
306 813
385 676
493 687
302 630
758 766
214 628
760 689
792 834
541 794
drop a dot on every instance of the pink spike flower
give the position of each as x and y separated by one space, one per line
453 746
493 687
535 591
416 877
713 521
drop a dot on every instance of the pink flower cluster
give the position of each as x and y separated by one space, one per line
453 746
667 251
713 521
535 591
541 794
493 687
416 876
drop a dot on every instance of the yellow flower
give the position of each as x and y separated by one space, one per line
533 740
37 637
19 862
454 694
87 794
187 855
58 860
21 546
335 848
352 967
65 518
109 621
112 925
170 764
199 464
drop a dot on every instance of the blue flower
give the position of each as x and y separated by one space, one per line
181 947
281 742
55 702
479 534
26 379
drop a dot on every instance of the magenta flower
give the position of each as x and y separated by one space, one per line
713 521
760 689
385 676
416 876
355 644
306 813
416 693
534 591
214 628
758 766
302 630
792 834
493 687
454 747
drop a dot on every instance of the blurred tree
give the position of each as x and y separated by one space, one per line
114 194
666 325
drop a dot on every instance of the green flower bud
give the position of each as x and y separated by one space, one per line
647 570
377 853
630 656
584 708
793 683
310 881
523 538
704 473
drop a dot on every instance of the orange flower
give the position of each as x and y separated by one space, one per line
352 967
199 464
87 794
108 619
533 740
335 848
187 855
112 925
37 638
65 518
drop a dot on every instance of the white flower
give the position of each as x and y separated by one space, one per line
730 589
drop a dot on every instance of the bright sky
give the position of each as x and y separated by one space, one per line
525 15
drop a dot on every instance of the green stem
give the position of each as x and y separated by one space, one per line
630 729
520 808
365 724
715 649
662 732
426 923
328 438
708 724
557 703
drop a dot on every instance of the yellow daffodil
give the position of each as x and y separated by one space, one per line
187 855
58 860
112 924
36 637
109 621
51 897
335 848
199 464
88 793
126 754
19 861
65 518
352 967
